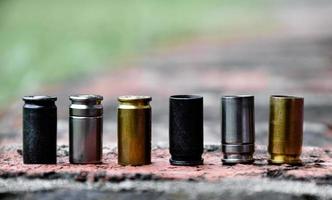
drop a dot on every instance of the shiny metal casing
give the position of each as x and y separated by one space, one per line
85 129
134 130
238 129
285 129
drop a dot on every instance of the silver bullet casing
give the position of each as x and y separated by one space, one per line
238 129
85 129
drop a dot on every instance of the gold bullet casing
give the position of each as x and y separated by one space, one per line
134 130
285 129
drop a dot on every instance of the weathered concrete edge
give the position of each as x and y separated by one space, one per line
233 185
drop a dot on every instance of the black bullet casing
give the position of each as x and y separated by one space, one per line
186 130
39 130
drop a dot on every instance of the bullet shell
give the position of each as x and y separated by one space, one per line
39 130
238 129
85 129
134 130
186 130
285 130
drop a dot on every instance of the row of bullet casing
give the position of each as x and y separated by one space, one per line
185 129
285 129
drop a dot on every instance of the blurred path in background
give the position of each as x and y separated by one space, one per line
292 58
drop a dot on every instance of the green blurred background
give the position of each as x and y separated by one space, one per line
46 42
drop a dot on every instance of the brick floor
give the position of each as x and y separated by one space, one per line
317 164
259 180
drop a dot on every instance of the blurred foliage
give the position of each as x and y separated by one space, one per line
43 41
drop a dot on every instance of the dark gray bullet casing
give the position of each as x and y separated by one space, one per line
85 129
39 130
238 129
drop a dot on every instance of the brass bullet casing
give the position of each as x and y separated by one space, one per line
285 129
134 130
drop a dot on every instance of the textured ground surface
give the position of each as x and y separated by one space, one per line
295 58
316 167
164 181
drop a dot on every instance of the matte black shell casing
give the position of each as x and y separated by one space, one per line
39 130
186 130
238 129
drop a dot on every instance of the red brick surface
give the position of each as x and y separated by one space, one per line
317 164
